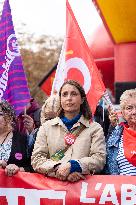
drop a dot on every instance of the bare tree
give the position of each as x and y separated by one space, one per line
39 55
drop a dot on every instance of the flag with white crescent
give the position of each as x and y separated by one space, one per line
76 62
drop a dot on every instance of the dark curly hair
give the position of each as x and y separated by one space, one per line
84 108
8 112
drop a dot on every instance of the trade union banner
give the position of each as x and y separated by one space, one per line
13 82
35 189
76 62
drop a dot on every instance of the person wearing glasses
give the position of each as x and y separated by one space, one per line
13 145
121 143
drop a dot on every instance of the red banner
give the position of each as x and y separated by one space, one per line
35 189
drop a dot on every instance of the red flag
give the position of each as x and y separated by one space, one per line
47 85
77 63
47 81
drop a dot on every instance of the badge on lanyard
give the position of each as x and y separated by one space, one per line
69 139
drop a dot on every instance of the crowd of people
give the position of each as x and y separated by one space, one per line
63 140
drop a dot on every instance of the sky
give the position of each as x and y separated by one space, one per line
48 16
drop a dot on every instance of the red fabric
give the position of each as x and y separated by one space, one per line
76 62
35 189
129 144
47 84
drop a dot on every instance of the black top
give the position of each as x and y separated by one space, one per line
19 152
98 116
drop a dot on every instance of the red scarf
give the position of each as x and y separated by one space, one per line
129 144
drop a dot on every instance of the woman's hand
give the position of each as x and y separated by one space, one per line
11 170
75 176
113 117
21 169
28 123
63 171
3 164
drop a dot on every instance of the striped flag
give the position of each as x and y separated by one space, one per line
13 83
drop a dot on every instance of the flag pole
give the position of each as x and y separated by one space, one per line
60 67
107 100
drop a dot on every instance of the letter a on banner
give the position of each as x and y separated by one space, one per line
13 84
77 63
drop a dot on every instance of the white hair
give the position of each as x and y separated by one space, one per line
124 99
51 105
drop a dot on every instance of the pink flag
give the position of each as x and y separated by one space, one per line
77 63
13 84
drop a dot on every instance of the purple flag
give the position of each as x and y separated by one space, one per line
13 83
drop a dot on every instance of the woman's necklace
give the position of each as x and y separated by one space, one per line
4 139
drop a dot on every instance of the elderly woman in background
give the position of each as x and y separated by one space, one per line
121 144
50 108
13 145
48 111
69 146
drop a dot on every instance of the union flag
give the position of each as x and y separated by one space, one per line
76 62
13 82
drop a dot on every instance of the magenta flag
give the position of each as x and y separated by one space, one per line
13 83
